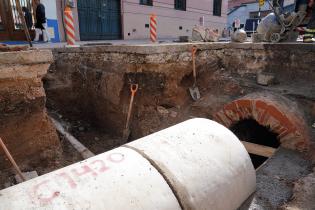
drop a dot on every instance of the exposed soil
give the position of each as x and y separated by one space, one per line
94 138
66 156
90 92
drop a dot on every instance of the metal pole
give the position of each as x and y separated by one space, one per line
27 33
16 167
253 28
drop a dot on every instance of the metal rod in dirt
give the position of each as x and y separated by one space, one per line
16 167
27 33
84 152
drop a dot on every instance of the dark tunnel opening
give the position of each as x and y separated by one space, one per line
251 131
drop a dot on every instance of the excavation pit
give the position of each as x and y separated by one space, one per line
88 88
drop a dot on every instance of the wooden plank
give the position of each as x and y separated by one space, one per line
258 149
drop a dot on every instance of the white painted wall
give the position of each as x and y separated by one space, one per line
50 9
135 16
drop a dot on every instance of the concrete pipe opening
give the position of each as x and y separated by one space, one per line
249 130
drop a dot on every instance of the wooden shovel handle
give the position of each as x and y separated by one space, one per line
193 55
16 167
133 90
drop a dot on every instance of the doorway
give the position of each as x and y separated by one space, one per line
99 19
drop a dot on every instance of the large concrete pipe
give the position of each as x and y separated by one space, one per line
197 164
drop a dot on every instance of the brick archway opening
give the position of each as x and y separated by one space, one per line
276 114
250 130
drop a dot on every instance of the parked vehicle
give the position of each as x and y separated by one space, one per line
251 25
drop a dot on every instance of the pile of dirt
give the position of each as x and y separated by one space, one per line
7 48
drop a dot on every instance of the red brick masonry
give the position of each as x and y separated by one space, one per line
277 112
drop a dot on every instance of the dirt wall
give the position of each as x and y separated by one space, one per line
93 82
25 127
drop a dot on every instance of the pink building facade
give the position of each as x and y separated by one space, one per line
131 18
236 3
171 22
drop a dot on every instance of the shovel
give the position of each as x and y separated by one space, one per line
9 156
133 90
194 91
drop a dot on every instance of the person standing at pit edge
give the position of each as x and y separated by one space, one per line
41 24
308 7
310 28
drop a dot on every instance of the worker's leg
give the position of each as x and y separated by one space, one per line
310 29
38 32
45 33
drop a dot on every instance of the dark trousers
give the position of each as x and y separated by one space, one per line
311 24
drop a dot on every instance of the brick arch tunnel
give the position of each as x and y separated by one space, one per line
269 119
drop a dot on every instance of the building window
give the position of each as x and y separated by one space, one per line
180 5
146 2
217 5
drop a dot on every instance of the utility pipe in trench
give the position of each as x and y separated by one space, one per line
197 164
84 152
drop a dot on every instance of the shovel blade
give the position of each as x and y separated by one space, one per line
126 134
194 92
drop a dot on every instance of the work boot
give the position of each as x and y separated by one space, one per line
309 35
38 32
45 36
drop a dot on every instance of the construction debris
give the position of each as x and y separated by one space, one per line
265 78
163 111
200 33
239 36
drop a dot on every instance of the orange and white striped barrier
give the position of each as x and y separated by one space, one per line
153 25
69 25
